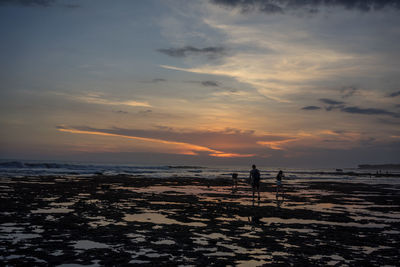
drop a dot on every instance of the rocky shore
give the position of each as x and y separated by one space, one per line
126 220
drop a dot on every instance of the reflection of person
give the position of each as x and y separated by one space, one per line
255 218
234 181
255 180
279 202
279 186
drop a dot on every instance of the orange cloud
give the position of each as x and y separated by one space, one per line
275 145
318 139
186 148
231 155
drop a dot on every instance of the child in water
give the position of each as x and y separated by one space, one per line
234 181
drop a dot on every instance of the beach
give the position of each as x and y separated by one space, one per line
125 219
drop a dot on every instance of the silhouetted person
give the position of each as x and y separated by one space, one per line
255 180
234 181
279 186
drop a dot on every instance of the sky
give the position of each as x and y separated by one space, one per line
288 83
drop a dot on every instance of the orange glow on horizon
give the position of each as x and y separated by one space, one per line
188 149
231 155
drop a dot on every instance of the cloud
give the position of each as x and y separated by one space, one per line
310 108
178 146
207 83
211 51
348 91
228 143
210 83
100 99
35 3
251 5
103 101
120 111
333 104
145 112
330 101
312 6
276 145
369 111
157 80
43 3
394 94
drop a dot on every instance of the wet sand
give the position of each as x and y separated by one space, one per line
124 220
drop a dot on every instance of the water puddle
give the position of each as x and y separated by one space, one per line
213 236
157 218
164 242
101 221
251 263
271 220
87 244
52 210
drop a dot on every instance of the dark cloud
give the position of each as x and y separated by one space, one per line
210 52
312 6
348 91
310 108
210 83
251 5
394 94
332 104
43 3
144 112
330 101
369 111
206 83
120 111
35 3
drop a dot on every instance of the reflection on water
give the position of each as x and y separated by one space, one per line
52 210
251 263
87 244
164 242
274 220
157 218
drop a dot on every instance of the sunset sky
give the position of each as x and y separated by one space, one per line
273 82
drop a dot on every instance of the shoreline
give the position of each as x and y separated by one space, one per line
196 221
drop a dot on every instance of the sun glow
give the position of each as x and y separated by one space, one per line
184 148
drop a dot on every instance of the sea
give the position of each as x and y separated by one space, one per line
23 168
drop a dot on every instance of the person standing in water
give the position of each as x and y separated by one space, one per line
234 181
255 180
279 186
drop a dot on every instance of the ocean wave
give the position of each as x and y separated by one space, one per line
42 165
51 165
14 168
186 167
